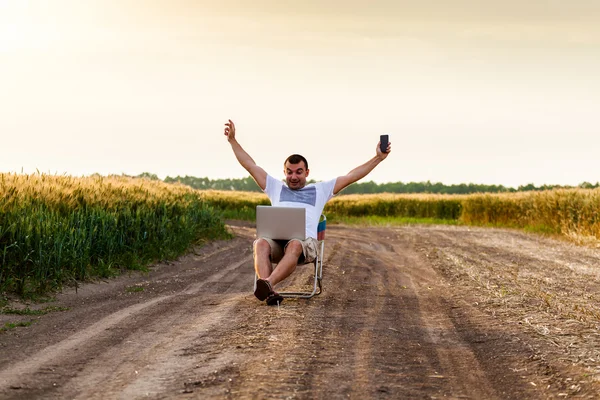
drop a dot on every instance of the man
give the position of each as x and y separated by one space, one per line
295 193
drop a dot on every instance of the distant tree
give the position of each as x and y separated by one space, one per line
148 175
245 184
249 185
528 187
587 185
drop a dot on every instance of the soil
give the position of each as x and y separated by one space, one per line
406 312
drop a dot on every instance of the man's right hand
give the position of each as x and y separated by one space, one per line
230 130
259 174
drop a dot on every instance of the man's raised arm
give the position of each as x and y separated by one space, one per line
362 170
259 174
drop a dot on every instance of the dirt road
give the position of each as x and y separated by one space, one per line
406 312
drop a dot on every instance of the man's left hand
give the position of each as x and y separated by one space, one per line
382 156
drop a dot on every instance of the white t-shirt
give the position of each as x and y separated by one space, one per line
312 197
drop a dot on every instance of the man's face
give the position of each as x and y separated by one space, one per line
295 175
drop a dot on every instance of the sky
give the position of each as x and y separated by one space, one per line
470 91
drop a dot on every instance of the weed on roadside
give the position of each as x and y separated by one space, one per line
28 311
12 325
134 289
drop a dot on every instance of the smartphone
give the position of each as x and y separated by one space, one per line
384 143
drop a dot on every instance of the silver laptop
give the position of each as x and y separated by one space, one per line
280 222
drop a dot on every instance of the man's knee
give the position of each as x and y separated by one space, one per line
262 246
294 247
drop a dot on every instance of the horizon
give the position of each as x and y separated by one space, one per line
498 92
364 180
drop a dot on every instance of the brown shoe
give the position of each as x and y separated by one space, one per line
263 289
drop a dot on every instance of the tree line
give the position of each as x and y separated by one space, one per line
248 185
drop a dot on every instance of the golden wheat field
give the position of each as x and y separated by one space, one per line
572 213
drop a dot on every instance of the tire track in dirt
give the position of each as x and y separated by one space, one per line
377 331
51 353
543 293
155 350
429 348
139 356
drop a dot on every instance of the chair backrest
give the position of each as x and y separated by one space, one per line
321 228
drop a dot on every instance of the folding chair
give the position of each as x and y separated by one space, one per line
318 266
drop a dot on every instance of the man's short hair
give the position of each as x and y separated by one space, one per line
295 159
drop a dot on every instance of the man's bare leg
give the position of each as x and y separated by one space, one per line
288 263
262 259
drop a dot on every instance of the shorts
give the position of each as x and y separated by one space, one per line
309 249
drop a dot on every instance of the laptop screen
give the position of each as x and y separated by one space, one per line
282 223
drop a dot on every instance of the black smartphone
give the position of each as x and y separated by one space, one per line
384 143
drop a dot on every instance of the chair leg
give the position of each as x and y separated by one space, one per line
316 285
